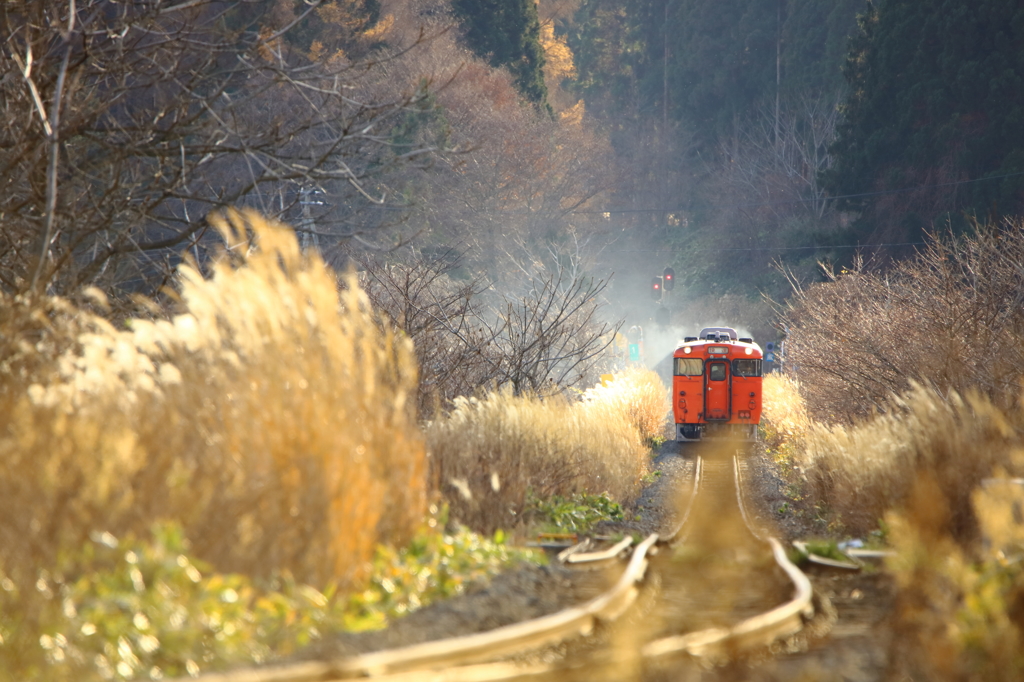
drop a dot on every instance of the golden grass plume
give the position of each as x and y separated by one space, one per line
271 417
640 395
784 419
862 471
488 452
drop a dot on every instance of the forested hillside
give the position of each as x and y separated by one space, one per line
591 136
758 130
933 129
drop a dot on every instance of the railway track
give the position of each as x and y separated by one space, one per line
710 587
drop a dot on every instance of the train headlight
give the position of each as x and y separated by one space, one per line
749 351
687 350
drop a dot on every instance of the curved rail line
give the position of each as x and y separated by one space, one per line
470 657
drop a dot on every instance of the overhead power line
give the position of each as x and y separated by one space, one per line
770 248
782 202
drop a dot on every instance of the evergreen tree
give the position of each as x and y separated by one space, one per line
719 60
815 36
612 51
936 106
507 33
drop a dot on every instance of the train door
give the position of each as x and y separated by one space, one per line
717 396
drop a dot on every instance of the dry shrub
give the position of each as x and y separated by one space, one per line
440 314
272 418
952 317
862 471
488 453
923 466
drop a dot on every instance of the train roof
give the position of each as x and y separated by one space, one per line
717 335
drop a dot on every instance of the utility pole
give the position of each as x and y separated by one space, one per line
664 74
778 69
307 233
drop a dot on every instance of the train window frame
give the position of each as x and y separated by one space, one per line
699 365
711 370
740 362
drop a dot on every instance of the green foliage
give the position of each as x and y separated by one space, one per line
507 33
576 514
815 34
935 97
437 564
717 59
651 477
423 124
828 549
132 608
611 46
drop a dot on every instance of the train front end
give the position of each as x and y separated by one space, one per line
716 386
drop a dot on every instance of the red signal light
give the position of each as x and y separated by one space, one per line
656 288
670 278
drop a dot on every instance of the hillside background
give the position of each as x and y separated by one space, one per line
723 139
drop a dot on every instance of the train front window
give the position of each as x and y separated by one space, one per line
746 368
689 367
716 372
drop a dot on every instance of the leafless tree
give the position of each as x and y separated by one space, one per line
952 318
126 123
777 161
551 338
441 315
468 336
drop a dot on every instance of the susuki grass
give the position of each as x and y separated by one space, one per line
640 395
959 609
862 471
270 420
489 452
784 419
270 417
937 469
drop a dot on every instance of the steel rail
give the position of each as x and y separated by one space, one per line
602 556
677 533
470 658
576 556
757 631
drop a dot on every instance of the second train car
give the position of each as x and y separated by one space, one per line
716 385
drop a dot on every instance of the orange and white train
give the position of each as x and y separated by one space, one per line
716 385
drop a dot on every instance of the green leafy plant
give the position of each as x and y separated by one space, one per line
576 514
828 549
437 564
129 608
651 477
